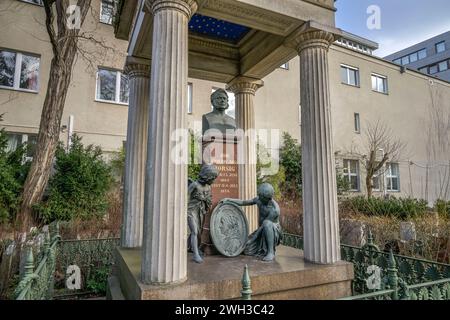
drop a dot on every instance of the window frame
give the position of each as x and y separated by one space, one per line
390 176
422 50
384 78
436 46
190 91
357 77
119 74
347 174
25 137
40 4
446 62
357 122
101 13
431 69
18 71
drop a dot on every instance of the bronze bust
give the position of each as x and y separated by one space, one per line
218 120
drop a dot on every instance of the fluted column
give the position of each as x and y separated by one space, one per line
138 71
320 217
164 250
244 90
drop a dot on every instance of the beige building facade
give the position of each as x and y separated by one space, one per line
363 89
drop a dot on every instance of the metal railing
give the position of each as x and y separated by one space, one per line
37 284
405 278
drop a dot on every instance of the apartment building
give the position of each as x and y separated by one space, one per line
431 56
364 89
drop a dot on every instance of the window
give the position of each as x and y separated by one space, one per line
440 47
413 57
17 139
424 70
376 179
434 69
285 66
189 98
112 86
422 54
379 83
357 123
107 11
392 177
351 173
350 75
38 2
19 71
405 60
443 66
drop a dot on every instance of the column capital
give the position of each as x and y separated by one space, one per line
245 85
188 7
137 67
313 35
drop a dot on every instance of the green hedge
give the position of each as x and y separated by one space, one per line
402 208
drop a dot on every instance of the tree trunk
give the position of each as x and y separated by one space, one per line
369 186
64 44
48 137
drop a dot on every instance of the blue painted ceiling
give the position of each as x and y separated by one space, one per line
217 29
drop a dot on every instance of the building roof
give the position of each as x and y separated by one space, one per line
417 46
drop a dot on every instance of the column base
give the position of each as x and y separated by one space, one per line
289 277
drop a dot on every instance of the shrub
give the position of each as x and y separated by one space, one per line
98 281
117 164
343 185
442 207
263 161
401 208
13 172
193 166
291 160
79 186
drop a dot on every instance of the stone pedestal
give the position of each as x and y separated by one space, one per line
289 277
407 231
353 232
223 154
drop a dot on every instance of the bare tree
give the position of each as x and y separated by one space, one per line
63 22
379 137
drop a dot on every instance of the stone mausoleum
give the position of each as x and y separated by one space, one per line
236 42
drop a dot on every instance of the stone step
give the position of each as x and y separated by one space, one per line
113 291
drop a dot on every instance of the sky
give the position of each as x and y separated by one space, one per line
402 22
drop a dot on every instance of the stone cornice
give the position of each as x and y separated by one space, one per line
328 4
187 7
245 85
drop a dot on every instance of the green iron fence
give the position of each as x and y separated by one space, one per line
93 258
404 277
37 284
